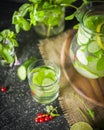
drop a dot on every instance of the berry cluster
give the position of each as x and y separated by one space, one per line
41 117
51 112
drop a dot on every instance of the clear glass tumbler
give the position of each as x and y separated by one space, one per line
43 78
56 26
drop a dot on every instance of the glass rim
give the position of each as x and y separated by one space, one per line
85 9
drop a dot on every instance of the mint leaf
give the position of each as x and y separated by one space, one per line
70 17
100 64
1 38
0 47
7 44
35 1
39 16
17 28
6 55
32 19
25 24
24 7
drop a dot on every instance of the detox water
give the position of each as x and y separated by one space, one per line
44 83
87 48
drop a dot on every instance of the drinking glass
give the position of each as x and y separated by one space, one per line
43 78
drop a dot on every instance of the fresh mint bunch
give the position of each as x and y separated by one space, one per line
7 44
39 11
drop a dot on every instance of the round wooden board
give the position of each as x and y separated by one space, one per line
91 89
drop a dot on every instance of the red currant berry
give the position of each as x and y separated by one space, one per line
42 119
41 115
3 89
44 115
50 117
37 120
47 118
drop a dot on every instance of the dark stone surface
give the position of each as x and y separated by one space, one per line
17 109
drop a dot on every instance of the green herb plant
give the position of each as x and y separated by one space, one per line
52 110
33 12
8 43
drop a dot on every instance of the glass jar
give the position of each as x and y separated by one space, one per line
53 24
87 46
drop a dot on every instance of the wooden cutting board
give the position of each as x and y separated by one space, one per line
90 89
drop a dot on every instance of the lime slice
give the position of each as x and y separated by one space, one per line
81 56
98 36
93 47
81 126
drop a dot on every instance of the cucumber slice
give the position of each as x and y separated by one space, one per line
86 73
22 70
47 81
93 47
81 56
78 41
83 37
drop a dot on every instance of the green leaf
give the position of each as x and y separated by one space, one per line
100 64
8 44
14 42
52 110
70 17
47 5
17 28
24 9
35 1
92 59
1 37
24 6
53 17
76 26
32 19
7 33
15 18
25 25
0 47
39 16
6 55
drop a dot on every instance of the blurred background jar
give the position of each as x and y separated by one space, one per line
87 46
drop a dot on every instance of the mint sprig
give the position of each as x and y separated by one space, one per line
52 111
48 12
7 44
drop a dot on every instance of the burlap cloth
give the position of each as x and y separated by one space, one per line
75 108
